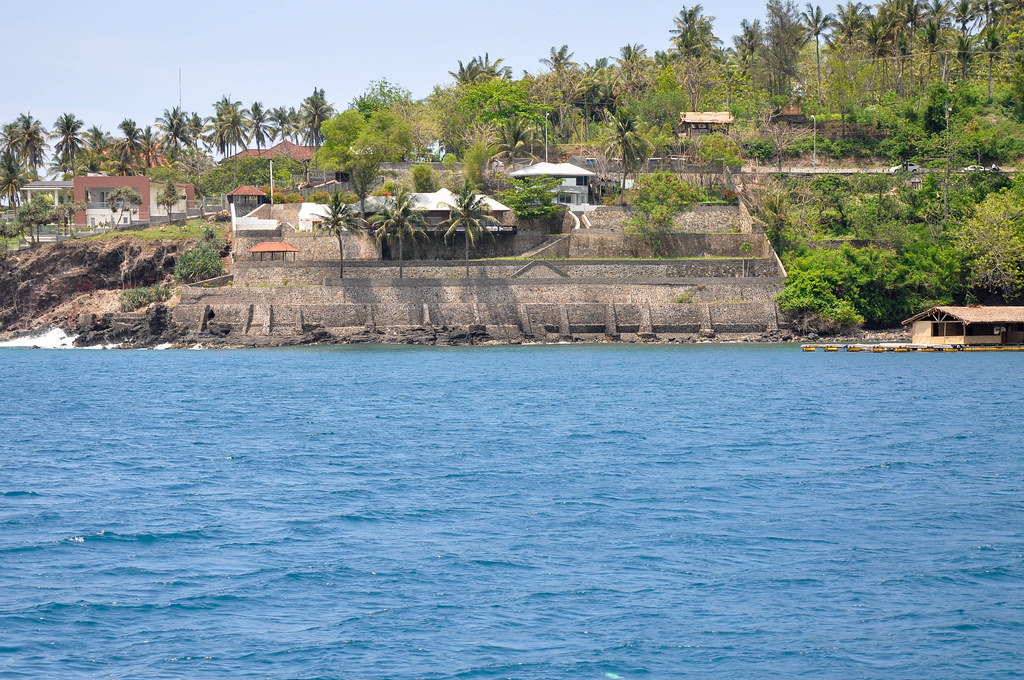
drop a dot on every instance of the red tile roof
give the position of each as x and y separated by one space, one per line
273 247
247 191
285 148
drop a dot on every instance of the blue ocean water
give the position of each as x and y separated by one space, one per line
527 512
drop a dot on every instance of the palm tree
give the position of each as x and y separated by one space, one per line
515 138
149 147
128 148
196 127
480 68
260 126
342 217
817 22
747 44
693 35
174 124
229 128
27 139
992 40
964 55
471 214
12 177
281 123
631 62
69 142
314 112
625 141
399 217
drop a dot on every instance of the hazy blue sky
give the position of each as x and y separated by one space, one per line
108 60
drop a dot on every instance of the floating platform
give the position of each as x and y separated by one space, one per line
901 347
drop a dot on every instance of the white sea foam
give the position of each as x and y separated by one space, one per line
163 345
55 338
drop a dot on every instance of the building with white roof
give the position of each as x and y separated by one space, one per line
436 205
575 187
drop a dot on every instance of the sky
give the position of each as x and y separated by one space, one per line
109 60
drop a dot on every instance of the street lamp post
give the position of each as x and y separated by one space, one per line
546 137
814 148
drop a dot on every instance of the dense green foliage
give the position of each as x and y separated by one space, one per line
915 257
532 198
134 298
656 200
201 262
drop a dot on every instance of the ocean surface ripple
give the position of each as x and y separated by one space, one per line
532 512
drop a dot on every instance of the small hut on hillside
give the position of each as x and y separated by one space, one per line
968 326
698 123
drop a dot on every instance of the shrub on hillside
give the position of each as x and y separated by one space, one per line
135 298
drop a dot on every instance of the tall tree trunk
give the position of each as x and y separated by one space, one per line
817 53
341 254
400 253
467 252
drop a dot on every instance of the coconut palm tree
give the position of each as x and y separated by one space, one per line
27 139
991 40
260 126
398 218
12 177
625 141
632 62
229 128
693 35
515 137
281 123
69 141
817 22
149 147
471 214
342 217
128 148
174 125
314 112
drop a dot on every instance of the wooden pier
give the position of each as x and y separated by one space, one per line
903 347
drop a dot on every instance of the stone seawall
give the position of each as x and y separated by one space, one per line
430 310
280 273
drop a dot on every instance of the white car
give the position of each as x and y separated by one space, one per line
905 167
974 168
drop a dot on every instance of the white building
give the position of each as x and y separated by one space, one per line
574 191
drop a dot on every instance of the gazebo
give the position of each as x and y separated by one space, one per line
272 248
247 199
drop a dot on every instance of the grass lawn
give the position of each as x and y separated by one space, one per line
181 230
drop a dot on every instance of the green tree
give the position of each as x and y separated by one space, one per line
12 177
423 178
168 198
32 215
381 94
625 141
341 217
532 198
656 201
174 126
992 242
471 214
397 218
259 126
816 22
69 141
124 200
314 112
